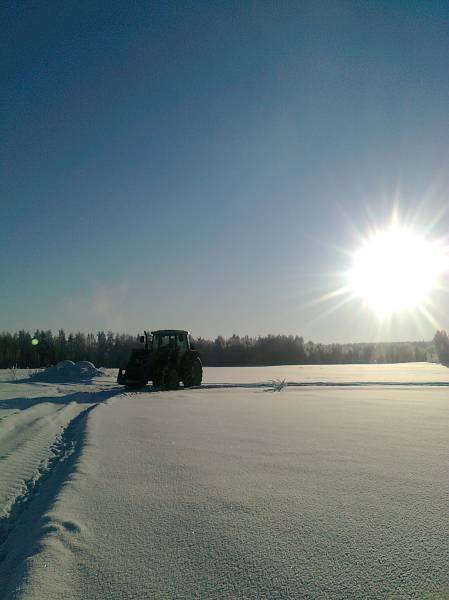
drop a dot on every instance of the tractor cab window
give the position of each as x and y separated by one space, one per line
182 342
164 341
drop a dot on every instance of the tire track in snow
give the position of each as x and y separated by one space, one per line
29 438
22 527
270 385
62 448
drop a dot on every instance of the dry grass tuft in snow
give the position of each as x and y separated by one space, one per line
13 372
277 385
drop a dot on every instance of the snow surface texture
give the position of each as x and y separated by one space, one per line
228 492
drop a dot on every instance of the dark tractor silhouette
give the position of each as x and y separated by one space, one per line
166 359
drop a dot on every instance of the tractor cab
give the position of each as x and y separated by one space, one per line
170 340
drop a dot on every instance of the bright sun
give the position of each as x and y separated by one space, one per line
396 269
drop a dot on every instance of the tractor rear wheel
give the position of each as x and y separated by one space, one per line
193 372
170 378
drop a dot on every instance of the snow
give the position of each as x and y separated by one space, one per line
85 364
64 364
228 491
68 371
409 373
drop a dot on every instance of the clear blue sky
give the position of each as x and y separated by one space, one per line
203 164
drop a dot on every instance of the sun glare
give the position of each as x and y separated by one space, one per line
396 269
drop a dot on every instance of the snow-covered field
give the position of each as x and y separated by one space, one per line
335 487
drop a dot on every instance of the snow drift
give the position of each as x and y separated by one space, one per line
66 371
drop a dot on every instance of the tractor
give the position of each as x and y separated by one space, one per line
167 358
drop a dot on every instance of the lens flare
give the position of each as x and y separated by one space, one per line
396 269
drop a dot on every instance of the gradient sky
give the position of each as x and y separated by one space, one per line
208 165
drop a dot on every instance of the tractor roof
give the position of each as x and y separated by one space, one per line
169 332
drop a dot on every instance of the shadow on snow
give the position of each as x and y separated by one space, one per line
85 397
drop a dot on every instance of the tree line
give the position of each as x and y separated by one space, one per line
43 349
287 350
441 344
108 349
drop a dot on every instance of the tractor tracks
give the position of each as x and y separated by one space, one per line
275 385
63 447
41 489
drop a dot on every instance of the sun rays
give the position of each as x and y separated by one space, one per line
395 272
396 269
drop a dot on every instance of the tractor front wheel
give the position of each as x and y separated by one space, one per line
170 378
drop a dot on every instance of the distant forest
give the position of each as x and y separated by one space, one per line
108 349
441 345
